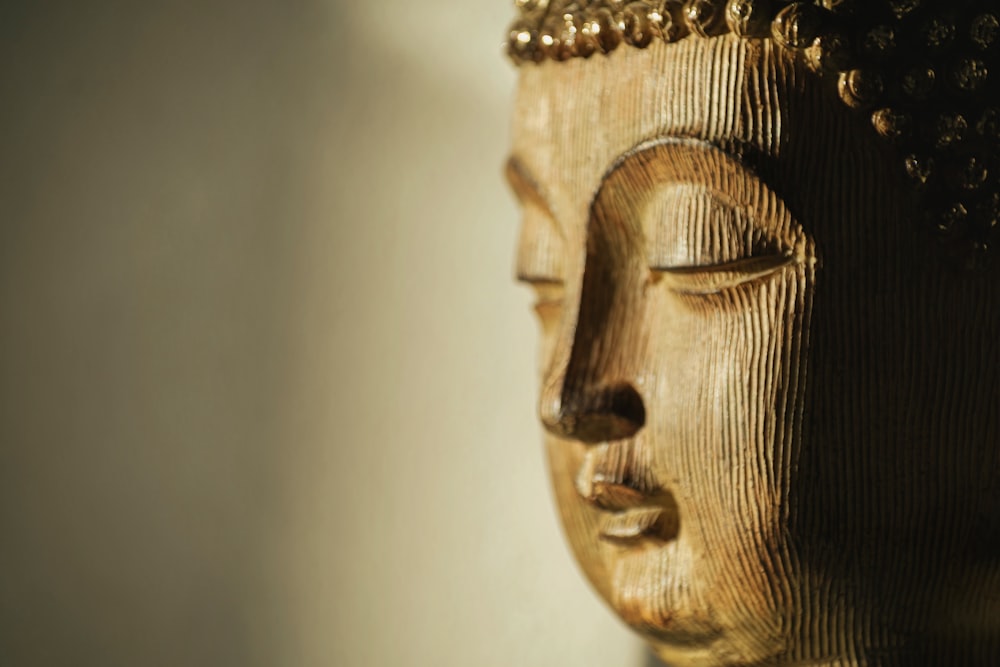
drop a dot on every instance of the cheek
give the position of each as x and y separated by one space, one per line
580 522
722 375
549 313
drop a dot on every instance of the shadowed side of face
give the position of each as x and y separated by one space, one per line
735 400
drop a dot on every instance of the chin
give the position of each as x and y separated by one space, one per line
686 616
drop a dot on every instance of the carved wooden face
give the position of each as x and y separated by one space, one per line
760 448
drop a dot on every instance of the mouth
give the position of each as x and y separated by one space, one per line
637 509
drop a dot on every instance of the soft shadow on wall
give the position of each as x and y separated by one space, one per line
267 386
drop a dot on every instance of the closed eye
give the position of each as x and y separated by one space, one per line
716 278
549 298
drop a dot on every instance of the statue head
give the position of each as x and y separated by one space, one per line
771 329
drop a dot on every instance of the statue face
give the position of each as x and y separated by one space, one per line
747 406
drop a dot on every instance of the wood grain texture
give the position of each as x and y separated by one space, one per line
771 410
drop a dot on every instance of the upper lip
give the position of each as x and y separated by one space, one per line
614 477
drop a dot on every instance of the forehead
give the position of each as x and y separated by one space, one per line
573 119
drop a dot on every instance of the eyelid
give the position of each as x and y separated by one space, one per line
545 288
704 280
549 296
540 250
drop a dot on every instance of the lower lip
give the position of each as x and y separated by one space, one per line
635 526
687 648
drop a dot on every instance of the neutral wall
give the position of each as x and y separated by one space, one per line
266 384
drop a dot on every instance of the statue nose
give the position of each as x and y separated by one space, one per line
589 393
593 413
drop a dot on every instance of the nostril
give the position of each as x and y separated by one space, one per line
596 414
627 403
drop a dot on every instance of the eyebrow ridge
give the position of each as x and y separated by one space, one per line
527 189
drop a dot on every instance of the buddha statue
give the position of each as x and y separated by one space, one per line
760 235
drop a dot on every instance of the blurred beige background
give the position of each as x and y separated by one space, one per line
267 384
